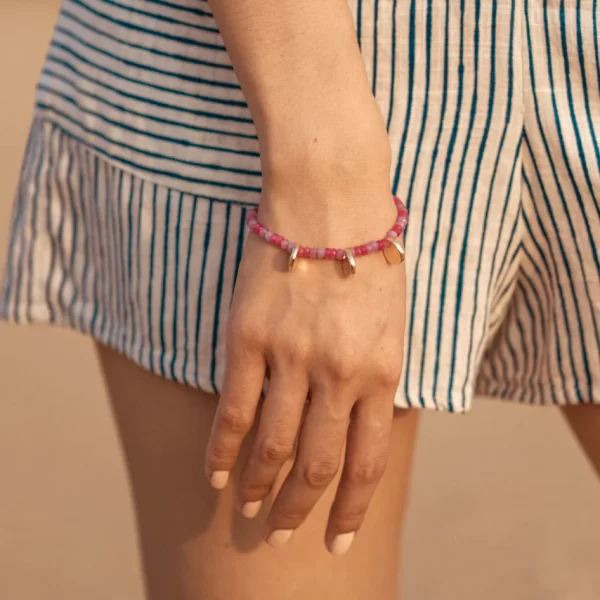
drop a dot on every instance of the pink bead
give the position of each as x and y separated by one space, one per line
304 253
313 253
381 244
321 253
373 247
392 234
339 254
284 244
268 236
329 253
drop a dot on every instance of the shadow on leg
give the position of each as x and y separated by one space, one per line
585 424
196 546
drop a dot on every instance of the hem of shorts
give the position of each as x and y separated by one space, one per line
493 390
132 353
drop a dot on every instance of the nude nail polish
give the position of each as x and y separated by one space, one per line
251 509
341 543
280 537
219 479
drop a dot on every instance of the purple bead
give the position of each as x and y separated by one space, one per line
321 253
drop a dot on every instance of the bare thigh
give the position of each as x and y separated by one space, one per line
196 546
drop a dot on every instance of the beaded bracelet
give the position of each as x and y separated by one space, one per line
391 248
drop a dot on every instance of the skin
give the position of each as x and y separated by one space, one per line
195 544
326 168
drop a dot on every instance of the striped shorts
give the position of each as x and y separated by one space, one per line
143 161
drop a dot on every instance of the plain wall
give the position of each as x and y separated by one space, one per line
503 504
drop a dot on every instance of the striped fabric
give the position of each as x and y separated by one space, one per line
143 159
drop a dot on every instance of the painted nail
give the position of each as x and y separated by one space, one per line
219 479
341 543
280 537
251 509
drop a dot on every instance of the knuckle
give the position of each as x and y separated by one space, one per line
368 472
319 473
349 520
343 365
275 450
236 418
219 455
244 330
288 517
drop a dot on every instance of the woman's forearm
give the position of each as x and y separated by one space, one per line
300 68
323 144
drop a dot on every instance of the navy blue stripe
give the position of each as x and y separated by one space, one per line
491 193
411 86
574 118
509 244
596 41
17 229
69 271
375 44
155 136
568 315
218 299
150 291
129 111
207 236
165 272
359 22
584 81
567 212
104 226
240 244
88 252
138 267
187 291
177 246
169 75
152 87
392 70
425 214
181 39
159 16
144 48
472 203
49 232
128 318
32 241
449 154
120 270
457 190
189 10
161 172
59 242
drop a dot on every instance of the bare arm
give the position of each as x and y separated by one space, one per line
326 160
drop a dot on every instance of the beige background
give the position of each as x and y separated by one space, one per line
503 504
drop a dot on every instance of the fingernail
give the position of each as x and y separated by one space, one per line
219 479
251 509
280 537
341 543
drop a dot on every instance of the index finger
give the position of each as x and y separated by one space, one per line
236 411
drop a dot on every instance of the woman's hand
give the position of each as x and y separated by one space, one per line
336 341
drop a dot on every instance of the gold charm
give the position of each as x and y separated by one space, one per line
293 258
349 264
394 252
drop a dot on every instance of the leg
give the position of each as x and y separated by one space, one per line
585 423
196 546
